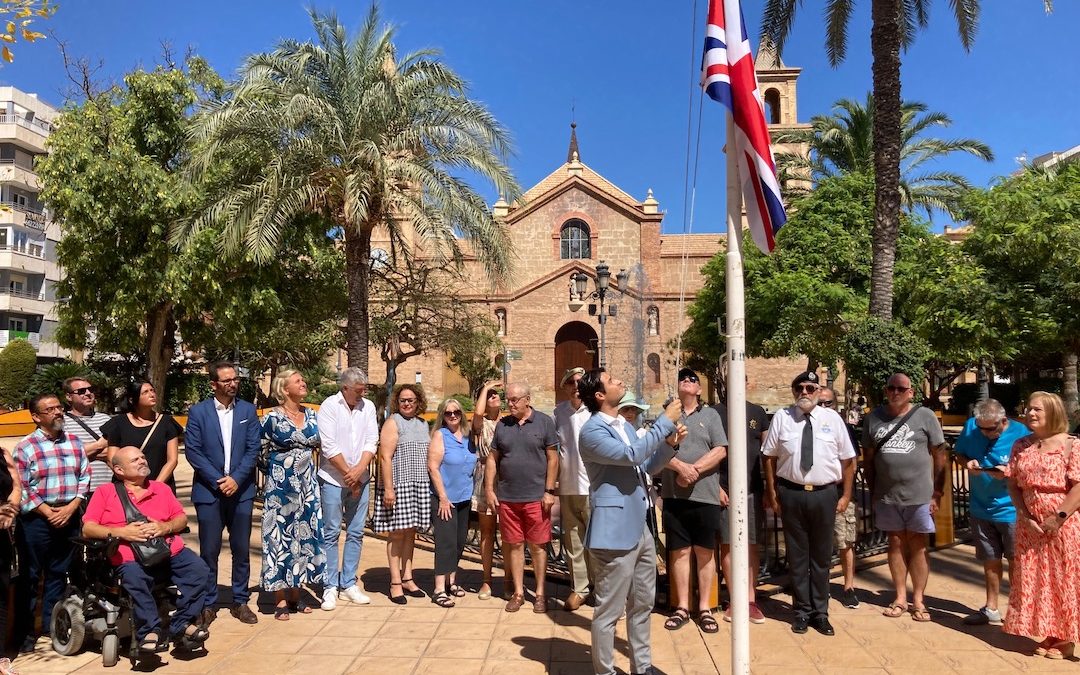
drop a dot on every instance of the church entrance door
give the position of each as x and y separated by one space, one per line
575 345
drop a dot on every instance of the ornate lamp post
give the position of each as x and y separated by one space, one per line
602 310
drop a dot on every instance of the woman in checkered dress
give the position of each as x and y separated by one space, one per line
403 492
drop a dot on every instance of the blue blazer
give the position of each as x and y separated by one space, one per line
205 452
617 498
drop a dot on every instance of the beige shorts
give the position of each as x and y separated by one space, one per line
846 528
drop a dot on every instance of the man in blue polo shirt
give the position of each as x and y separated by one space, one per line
985 443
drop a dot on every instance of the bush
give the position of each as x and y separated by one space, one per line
874 349
18 360
50 379
467 404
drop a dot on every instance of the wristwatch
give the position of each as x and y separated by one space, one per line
550 491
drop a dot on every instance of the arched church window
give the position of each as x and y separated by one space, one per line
772 106
574 243
653 361
652 320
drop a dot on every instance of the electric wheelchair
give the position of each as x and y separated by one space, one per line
96 606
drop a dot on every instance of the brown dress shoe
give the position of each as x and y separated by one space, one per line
244 614
540 604
207 617
573 602
515 602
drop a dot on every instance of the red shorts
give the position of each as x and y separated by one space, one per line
524 522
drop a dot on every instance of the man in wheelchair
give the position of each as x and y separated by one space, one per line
105 517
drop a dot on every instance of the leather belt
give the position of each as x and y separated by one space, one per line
800 486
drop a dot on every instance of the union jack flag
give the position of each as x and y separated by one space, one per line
728 77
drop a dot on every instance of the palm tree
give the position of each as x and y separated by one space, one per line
347 131
842 142
895 23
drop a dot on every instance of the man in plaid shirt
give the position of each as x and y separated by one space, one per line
55 476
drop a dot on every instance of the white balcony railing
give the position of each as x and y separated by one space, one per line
32 251
35 125
25 166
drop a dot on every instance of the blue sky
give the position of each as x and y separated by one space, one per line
626 69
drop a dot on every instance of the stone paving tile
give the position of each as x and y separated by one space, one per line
457 649
381 665
445 665
343 628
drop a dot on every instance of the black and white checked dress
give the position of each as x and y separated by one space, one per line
412 485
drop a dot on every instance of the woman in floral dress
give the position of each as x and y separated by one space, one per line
1044 481
292 516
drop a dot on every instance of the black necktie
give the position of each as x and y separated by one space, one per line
807 459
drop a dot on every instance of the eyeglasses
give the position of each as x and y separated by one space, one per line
231 380
452 413
806 388
827 404
515 399
690 378
52 408
896 390
403 401
987 430
82 391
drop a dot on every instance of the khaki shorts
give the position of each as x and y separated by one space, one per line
846 528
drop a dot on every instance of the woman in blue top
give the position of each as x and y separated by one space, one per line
451 462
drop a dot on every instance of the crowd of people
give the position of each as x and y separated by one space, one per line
82 471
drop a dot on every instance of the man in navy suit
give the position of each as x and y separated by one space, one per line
222 443
620 546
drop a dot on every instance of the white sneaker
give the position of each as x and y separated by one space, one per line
354 595
329 599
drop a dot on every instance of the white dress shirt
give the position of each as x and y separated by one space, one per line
832 445
225 420
573 479
345 431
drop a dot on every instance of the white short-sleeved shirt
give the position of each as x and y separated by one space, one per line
573 479
832 445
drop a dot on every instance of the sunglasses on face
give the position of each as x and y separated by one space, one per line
827 404
452 413
82 391
987 430
806 388
690 378
896 390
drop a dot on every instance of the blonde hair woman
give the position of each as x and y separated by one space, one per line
1044 481
292 517
451 462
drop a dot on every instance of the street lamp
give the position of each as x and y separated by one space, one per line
603 285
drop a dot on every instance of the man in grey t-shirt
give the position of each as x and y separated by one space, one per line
84 422
905 471
524 465
691 492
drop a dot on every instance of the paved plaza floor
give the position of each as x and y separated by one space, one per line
477 636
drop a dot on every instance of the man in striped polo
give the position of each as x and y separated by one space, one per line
83 421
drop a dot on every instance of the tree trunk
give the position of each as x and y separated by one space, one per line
1068 386
982 377
160 346
885 46
357 268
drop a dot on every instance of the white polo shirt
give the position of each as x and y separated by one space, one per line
345 431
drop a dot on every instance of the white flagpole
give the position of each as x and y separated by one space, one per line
736 408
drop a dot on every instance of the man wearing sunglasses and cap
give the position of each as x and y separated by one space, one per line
807 453
570 415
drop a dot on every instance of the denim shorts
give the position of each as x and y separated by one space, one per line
993 540
895 518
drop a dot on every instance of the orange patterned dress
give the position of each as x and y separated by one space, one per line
1045 596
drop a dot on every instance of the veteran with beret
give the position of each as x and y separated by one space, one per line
809 470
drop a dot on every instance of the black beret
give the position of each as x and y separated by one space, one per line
807 376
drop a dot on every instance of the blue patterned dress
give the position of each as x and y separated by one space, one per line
292 515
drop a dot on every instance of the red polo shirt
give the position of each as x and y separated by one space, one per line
157 502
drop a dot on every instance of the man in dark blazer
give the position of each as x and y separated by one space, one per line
620 546
222 444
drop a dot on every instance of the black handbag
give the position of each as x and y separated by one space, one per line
152 551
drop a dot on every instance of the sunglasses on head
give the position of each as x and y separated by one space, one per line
83 390
806 388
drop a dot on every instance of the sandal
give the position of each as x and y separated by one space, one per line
443 600
1059 651
397 599
281 612
413 593
1044 646
920 614
895 610
484 595
151 644
196 633
457 591
707 623
300 607
679 618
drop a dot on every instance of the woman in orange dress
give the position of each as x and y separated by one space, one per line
1044 481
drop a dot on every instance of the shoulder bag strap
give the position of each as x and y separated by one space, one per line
84 425
133 514
151 433
884 439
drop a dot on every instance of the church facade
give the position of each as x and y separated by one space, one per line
569 224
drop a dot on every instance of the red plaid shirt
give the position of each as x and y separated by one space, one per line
52 472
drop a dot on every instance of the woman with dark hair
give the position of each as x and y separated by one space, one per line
451 460
403 492
484 418
141 426
10 501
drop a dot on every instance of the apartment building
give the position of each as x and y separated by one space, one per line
28 269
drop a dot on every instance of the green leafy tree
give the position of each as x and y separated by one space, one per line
1027 236
874 349
473 355
50 379
842 142
17 363
363 138
895 24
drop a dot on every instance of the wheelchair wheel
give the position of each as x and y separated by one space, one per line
68 627
110 650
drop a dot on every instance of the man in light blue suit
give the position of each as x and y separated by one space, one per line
620 546
221 442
